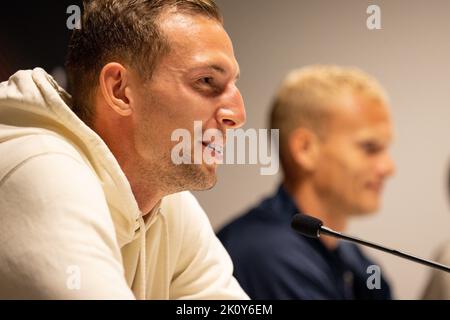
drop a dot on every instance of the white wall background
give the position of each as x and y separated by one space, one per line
410 56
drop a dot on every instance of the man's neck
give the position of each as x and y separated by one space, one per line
146 197
310 203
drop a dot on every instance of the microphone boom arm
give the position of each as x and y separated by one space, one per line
329 232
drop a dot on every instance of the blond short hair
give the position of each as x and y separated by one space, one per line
307 96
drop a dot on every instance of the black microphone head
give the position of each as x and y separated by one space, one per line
306 225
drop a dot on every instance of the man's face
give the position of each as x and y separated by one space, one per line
195 81
353 160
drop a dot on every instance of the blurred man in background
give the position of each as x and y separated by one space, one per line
438 287
335 130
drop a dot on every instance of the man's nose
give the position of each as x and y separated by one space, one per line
387 166
231 114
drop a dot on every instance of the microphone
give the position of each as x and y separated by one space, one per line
313 228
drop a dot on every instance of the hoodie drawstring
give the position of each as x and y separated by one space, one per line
142 261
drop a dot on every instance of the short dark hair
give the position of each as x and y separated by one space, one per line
124 31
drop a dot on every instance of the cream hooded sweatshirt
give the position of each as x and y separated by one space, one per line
70 227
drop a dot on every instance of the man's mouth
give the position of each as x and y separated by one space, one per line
375 186
216 151
214 147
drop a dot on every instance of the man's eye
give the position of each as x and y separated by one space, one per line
208 86
370 148
206 80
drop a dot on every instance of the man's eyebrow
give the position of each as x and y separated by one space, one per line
222 70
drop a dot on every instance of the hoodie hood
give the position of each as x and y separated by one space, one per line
32 101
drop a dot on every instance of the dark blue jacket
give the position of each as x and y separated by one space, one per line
274 262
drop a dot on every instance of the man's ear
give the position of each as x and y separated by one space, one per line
304 147
114 85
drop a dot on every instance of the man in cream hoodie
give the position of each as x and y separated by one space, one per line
91 204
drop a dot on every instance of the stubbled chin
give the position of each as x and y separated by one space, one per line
210 175
210 182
